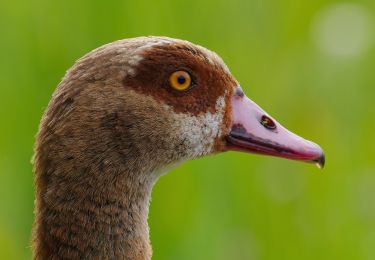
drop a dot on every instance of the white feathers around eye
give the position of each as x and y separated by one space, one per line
198 134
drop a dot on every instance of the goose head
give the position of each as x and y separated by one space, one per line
120 117
157 101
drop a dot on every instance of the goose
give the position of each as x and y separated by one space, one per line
122 116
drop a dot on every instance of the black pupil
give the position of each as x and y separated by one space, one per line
267 122
181 79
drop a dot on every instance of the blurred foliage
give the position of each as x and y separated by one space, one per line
310 64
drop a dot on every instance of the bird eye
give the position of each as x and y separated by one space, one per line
180 80
267 122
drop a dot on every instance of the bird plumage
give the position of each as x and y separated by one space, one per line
112 127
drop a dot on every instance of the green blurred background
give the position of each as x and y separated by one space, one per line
310 64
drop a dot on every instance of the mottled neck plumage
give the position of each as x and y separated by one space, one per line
105 218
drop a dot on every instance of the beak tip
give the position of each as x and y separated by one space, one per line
320 161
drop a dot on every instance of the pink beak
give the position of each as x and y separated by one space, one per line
254 131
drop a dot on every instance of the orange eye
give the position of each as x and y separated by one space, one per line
180 80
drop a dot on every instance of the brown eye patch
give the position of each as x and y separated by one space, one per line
153 73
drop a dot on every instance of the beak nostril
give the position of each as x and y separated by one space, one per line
268 122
